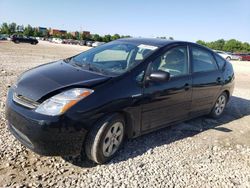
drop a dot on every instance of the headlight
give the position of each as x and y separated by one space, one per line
61 102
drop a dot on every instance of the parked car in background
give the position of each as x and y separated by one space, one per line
92 101
82 42
3 37
48 39
227 55
75 42
89 43
244 56
234 56
23 39
70 41
39 38
95 44
57 40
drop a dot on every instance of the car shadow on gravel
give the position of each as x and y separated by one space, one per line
236 109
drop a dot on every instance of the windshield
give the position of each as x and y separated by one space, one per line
114 58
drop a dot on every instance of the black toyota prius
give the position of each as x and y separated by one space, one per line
94 100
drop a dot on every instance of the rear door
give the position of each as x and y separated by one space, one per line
207 80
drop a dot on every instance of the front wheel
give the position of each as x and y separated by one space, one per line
228 58
104 140
219 106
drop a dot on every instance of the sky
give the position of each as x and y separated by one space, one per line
188 20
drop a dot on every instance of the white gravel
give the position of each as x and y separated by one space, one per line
199 153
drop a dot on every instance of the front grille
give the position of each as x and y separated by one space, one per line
24 101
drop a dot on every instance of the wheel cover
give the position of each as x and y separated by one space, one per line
220 105
113 139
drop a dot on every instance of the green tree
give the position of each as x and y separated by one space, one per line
12 28
5 28
96 37
217 45
37 33
69 36
201 42
57 36
115 37
230 45
125 36
28 31
233 46
246 47
107 38
85 37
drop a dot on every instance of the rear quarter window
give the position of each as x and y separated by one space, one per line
202 60
220 61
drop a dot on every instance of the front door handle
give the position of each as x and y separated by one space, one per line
218 80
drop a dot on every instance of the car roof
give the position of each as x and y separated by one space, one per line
157 42
149 41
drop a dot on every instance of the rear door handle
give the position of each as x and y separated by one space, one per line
187 86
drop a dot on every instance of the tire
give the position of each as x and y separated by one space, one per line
105 139
228 58
219 106
16 41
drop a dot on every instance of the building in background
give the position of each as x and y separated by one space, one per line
80 35
75 33
42 30
57 32
86 33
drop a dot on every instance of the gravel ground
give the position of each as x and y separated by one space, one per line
199 153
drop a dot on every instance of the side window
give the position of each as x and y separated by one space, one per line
174 61
220 61
202 60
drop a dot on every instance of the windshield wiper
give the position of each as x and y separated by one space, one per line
96 69
79 64
87 65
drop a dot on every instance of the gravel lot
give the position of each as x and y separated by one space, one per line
199 153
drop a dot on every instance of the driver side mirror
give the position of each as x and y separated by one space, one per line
159 76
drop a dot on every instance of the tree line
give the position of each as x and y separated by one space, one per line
28 30
231 45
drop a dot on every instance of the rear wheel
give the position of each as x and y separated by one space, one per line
104 140
219 106
228 58
16 41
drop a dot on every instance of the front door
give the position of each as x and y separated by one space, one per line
168 101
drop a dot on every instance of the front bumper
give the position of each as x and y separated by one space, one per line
45 135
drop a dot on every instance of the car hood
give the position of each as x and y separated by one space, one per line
44 79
